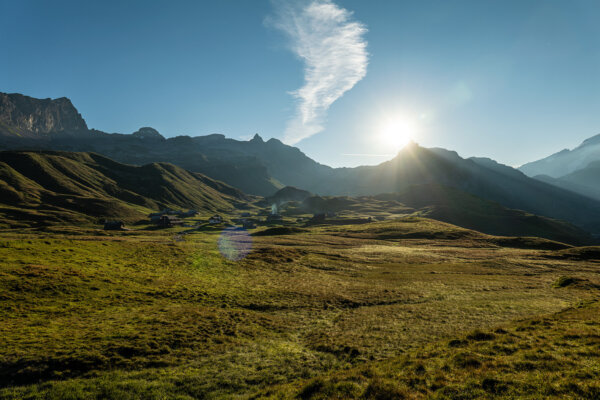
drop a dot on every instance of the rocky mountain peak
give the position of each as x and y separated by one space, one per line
591 141
147 133
565 161
25 116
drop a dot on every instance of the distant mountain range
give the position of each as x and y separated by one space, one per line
462 209
50 187
577 170
438 202
585 181
565 161
261 168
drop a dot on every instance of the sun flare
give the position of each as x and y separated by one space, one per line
397 133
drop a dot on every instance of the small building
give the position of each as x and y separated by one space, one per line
154 217
274 218
168 221
247 224
215 219
114 226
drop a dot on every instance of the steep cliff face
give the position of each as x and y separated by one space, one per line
24 116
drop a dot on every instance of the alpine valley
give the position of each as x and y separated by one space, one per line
134 266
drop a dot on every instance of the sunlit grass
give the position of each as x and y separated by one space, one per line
141 315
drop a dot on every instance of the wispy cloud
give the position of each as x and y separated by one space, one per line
334 51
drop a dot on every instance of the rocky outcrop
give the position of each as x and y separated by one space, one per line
147 133
28 117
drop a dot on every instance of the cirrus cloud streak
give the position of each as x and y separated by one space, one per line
334 52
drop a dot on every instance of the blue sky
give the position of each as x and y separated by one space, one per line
510 80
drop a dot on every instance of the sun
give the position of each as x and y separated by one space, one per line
397 133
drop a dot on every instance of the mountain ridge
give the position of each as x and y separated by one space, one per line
261 167
585 181
43 188
565 161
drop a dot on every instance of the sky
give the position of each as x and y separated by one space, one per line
346 81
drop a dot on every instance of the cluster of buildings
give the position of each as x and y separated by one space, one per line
168 218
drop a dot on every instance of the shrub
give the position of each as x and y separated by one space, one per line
480 336
466 360
384 390
492 385
456 343
313 388
564 281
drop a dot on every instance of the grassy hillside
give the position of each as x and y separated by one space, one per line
140 315
52 187
225 163
415 165
445 204
460 208
40 188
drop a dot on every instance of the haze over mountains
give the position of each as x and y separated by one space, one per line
577 170
565 161
261 168
585 181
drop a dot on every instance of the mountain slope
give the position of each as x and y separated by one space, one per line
565 161
55 124
287 194
416 165
585 181
243 171
262 168
462 209
51 187
442 203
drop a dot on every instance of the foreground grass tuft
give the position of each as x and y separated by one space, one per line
564 281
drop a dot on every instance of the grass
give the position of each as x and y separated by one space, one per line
565 281
553 356
331 311
53 188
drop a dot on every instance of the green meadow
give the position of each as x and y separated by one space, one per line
410 308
